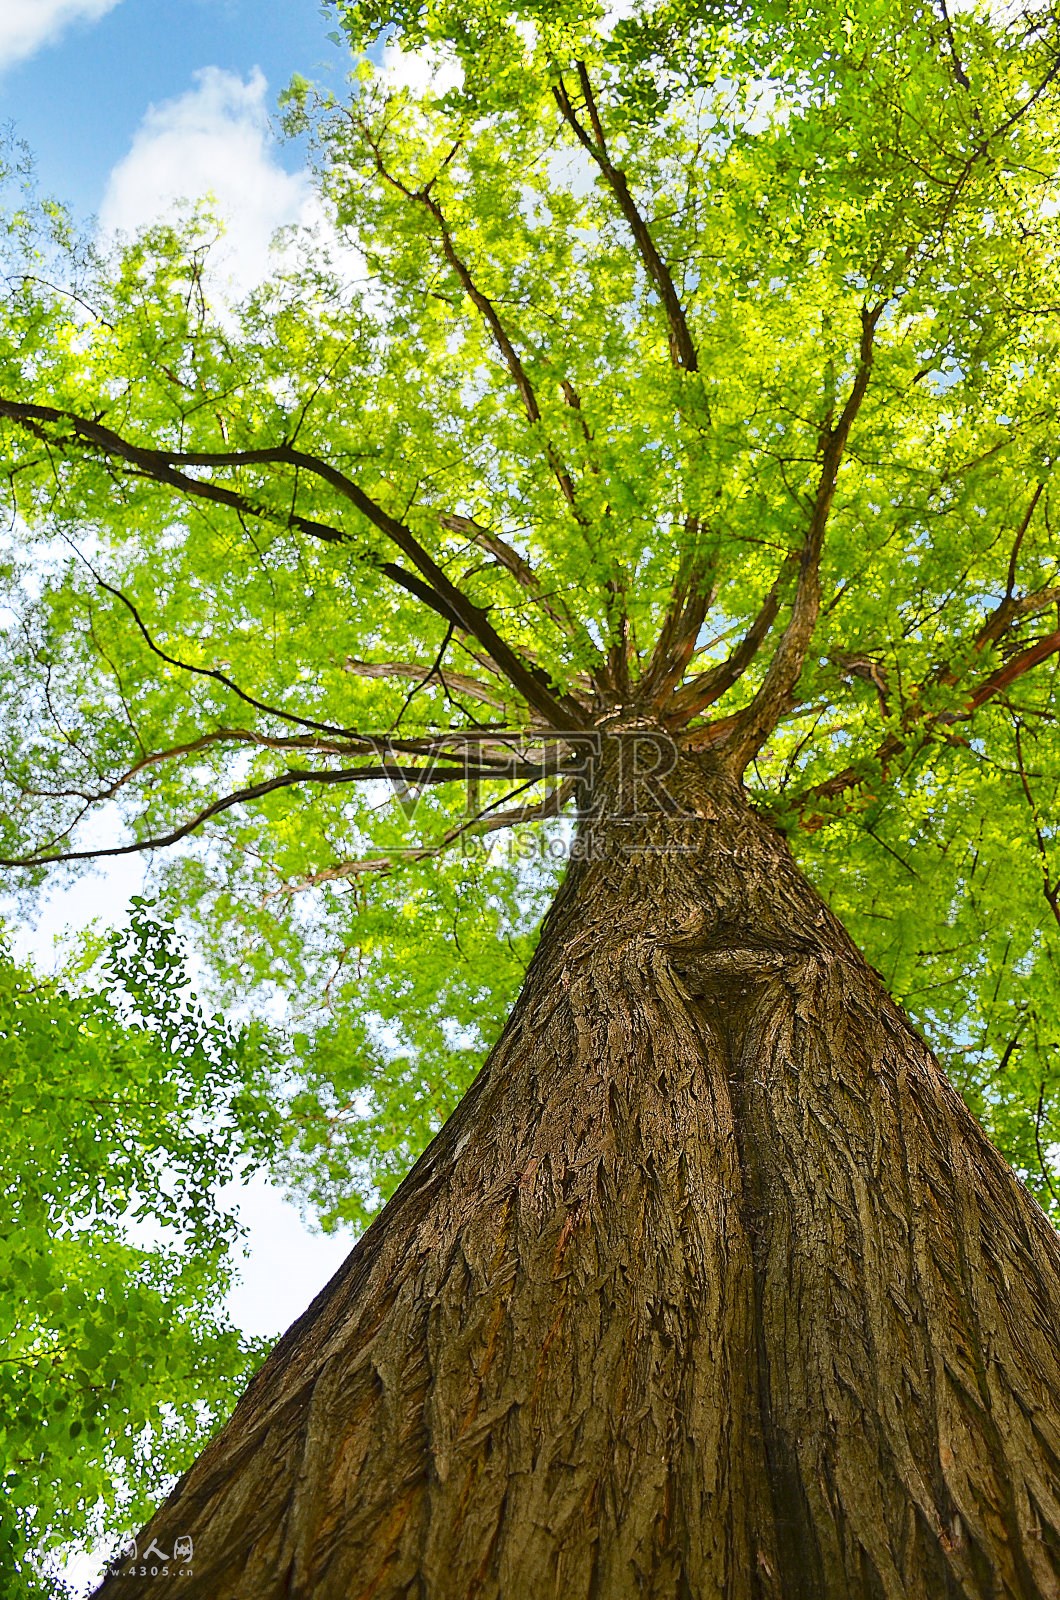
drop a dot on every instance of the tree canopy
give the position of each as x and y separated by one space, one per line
691 368
126 1109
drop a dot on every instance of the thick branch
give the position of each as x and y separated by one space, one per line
682 350
759 719
692 596
919 723
694 697
521 570
1027 605
440 592
443 747
159 466
1006 676
676 644
393 772
1009 607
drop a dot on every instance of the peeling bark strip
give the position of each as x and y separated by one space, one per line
711 1287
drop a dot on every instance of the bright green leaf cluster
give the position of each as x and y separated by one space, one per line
125 1109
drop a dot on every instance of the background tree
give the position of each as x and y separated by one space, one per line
126 1109
686 376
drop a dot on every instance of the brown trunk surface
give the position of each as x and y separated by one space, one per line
711 1287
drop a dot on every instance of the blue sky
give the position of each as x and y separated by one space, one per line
77 77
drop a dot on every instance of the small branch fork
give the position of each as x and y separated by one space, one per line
683 352
425 200
487 821
919 724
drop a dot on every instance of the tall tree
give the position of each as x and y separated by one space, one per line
666 432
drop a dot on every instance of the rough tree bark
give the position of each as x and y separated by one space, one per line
712 1287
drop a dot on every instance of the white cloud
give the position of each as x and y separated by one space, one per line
212 143
25 25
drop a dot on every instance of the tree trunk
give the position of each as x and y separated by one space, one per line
711 1287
